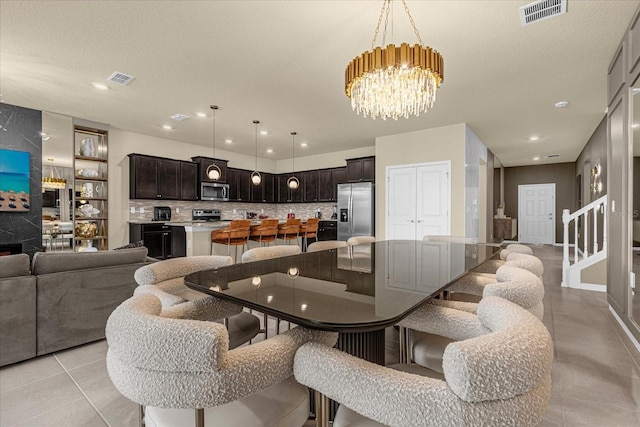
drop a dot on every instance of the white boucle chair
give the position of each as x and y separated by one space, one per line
325 245
452 239
259 254
360 240
492 265
426 344
165 280
173 366
497 376
474 282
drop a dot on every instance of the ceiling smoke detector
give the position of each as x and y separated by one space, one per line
541 10
120 78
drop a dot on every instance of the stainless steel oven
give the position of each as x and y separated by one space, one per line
214 191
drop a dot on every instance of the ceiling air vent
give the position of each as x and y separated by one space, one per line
551 156
540 10
120 78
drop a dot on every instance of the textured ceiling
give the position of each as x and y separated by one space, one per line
282 62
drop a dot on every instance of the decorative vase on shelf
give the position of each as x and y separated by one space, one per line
88 147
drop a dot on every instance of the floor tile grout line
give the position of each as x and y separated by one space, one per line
85 395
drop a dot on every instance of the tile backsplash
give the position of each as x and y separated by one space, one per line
181 210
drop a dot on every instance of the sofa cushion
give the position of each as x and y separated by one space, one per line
14 265
55 262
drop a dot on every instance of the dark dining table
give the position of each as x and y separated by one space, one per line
357 291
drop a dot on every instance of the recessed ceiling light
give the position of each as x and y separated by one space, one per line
533 138
263 132
50 159
536 158
561 104
269 150
44 136
201 115
228 141
304 144
179 117
167 127
635 125
100 86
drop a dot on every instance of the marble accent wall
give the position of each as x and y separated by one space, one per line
20 131
181 210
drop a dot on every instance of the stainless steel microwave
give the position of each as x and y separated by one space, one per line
214 191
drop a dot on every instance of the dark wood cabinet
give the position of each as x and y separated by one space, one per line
328 230
188 181
205 162
158 178
309 186
168 179
161 240
361 169
286 195
263 193
325 185
239 185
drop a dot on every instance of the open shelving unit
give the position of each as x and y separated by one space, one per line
90 195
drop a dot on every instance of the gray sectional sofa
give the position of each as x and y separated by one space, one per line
61 299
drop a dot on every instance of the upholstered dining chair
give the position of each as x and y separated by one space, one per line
426 349
289 231
236 234
492 265
452 239
184 373
259 254
265 232
165 279
360 240
498 374
309 230
324 245
473 282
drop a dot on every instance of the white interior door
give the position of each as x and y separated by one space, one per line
401 203
418 201
536 213
432 216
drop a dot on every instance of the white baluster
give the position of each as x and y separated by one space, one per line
604 223
595 228
575 240
565 247
585 252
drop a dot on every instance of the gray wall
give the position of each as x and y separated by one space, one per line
561 174
20 131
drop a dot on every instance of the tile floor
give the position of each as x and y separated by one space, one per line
596 372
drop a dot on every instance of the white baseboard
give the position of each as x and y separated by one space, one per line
590 287
625 329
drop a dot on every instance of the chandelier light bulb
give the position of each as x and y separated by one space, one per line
293 183
256 179
213 172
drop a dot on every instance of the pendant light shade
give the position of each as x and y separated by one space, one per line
213 171
293 183
256 178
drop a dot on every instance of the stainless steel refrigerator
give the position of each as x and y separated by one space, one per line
356 210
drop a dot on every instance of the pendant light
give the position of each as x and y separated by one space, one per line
213 171
256 179
293 183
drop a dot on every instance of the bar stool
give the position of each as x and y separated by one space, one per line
236 234
309 230
289 230
265 232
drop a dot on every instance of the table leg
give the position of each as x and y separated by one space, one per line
322 409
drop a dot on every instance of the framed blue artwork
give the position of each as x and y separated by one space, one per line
14 181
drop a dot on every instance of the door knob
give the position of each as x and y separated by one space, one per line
410 220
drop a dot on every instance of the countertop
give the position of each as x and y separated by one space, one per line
203 224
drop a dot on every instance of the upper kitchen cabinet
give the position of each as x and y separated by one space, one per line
239 185
158 178
264 192
205 162
309 181
188 181
326 187
361 169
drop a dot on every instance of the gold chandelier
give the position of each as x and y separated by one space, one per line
51 182
394 81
